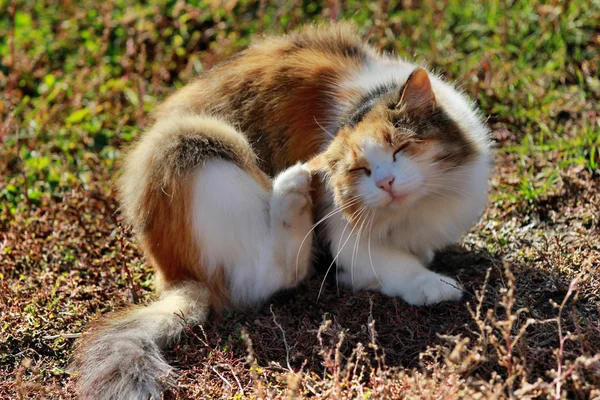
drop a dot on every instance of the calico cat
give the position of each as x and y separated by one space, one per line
224 190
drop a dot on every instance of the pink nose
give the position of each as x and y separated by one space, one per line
385 183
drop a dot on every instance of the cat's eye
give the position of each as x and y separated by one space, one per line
399 149
366 170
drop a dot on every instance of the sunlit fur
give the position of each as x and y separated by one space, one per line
409 176
312 131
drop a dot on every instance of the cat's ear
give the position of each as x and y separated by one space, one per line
417 93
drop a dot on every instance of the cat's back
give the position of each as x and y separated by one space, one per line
271 68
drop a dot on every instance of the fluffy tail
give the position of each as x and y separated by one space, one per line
122 358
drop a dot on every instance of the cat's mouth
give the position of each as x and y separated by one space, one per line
397 198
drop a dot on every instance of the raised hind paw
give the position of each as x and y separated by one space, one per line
291 202
431 288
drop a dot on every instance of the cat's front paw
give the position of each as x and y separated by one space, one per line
432 288
291 201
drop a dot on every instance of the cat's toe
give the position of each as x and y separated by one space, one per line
294 205
433 288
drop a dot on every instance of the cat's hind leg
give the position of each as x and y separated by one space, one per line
204 211
252 232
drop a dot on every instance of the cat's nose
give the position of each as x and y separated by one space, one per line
385 183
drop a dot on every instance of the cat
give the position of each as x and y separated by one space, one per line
310 131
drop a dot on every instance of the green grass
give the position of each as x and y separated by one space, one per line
78 83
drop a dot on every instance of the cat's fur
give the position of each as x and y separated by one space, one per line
220 190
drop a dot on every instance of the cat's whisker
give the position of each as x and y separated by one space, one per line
439 193
339 244
429 189
448 172
450 188
337 275
339 250
331 135
346 226
437 162
448 179
363 217
352 202
356 245
369 249
454 170
441 177
438 184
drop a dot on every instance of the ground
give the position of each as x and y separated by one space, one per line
78 82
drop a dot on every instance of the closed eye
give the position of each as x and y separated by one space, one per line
359 169
399 149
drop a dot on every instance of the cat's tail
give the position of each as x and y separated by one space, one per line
122 358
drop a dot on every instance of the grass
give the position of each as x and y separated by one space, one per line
78 82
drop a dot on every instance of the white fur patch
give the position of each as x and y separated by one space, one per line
233 220
367 263
291 223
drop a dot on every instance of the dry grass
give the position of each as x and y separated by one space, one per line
78 80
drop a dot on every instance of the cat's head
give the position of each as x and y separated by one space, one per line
398 149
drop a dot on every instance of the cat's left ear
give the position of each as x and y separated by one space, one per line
417 93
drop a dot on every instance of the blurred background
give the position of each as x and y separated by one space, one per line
83 76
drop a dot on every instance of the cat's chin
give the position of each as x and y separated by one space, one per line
399 202
400 199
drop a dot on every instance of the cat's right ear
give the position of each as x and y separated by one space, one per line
417 93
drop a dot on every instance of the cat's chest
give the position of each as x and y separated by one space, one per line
416 236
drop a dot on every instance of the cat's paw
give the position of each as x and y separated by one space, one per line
432 288
291 201
294 179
